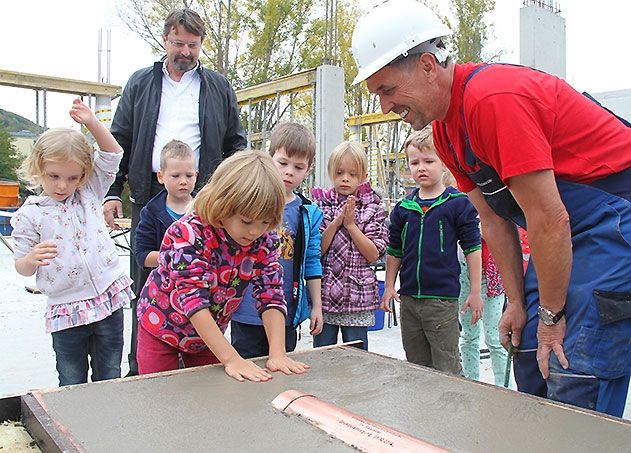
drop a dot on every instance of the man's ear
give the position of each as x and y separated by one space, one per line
427 64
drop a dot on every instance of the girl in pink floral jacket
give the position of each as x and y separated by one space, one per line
354 235
207 259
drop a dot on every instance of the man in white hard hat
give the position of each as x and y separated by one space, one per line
528 150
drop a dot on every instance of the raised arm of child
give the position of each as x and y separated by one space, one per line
82 114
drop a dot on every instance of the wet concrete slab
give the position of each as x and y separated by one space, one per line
202 409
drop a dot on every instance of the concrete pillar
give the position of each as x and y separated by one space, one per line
542 37
103 110
329 117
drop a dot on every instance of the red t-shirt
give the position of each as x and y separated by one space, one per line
520 120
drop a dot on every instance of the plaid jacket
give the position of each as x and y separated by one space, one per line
349 284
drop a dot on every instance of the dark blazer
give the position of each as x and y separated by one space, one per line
134 127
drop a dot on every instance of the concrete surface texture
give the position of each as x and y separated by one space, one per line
203 409
27 360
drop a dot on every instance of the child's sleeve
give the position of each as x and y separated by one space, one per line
145 237
313 263
25 235
105 169
395 244
267 282
468 228
184 259
376 230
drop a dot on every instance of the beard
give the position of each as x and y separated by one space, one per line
183 64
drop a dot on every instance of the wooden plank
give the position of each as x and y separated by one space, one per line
371 118
58 84
293 83
43 429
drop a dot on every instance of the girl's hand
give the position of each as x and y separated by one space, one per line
41 254
349 212
81 113
339 220
475 304
242 370
286 365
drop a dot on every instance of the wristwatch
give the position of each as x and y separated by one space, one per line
548 317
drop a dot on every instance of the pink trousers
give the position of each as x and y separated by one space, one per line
155 355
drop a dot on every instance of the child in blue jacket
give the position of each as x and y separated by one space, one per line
292 147
178 173
426 228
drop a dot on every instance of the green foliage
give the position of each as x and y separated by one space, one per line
254 41
471 32
12 122
9 159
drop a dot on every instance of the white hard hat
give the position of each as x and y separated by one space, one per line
390 30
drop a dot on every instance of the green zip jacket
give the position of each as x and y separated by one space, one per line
426 243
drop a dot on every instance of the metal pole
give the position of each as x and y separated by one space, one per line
45 112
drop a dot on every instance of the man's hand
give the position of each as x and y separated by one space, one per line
550 339
388 295
286 365
111 208
242 370
475 304
511 324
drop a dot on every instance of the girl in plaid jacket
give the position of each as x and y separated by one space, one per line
354 235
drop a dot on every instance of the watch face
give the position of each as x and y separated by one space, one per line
546 316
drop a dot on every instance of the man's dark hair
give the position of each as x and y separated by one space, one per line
408 62
188 19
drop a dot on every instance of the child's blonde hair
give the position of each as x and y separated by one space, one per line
295 139
247 183
448 179
348 149
421 140
175 149
57 145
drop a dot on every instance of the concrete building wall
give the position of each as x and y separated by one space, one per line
542 39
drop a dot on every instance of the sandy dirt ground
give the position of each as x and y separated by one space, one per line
27 360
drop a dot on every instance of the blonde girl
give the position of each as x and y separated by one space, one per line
354 235
206 261
60 236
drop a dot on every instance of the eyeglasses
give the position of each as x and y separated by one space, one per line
181 45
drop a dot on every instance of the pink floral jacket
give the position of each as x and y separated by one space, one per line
201 267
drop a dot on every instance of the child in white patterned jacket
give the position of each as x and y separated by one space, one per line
61 237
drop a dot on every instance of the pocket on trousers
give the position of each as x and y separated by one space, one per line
449 314
612 306
605 351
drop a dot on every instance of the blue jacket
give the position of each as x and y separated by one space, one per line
307 266
427 243
154 222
